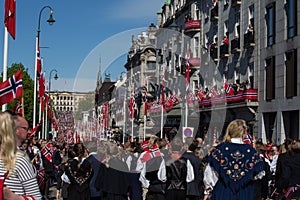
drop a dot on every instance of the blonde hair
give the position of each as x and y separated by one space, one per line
235 129
7 141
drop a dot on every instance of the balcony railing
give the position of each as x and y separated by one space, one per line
192 25
224 50
249 39
195 62
235 3
246 95
235 45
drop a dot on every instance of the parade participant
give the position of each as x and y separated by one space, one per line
291 172
22 129
21 181
94 160
113 179
79 171
194 188
282 158
151 166
179 172
232 166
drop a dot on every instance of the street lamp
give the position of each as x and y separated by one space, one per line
50 120
50 21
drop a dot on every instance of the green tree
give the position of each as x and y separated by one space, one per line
85 105
28 94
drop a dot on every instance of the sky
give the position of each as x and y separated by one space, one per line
87 35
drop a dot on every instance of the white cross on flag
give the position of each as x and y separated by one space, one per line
11 88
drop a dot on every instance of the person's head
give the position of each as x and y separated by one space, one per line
176 145
22 129
7 140
294 147
79 150
236 129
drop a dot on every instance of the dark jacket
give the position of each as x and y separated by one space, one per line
195 187
291 173
176 174
95 163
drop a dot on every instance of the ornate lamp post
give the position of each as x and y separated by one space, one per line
50 21
50 114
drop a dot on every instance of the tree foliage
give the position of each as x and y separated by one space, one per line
85 105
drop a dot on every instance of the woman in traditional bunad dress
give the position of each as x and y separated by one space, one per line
232 166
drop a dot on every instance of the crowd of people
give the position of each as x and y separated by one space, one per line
238 167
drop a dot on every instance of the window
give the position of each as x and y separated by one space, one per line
291 73
270 24
270 78
291 12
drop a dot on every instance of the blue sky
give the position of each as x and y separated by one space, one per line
83 32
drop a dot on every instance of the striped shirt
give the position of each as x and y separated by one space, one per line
23 180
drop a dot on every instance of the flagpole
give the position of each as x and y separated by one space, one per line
23 110
124 107
35 83
5 53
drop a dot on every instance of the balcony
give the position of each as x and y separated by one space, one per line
242 96
249 39
192 25
214 13
194 62
224 51
235 45
235 3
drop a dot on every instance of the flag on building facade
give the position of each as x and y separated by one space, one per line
131 106
187 73
10 17
11 88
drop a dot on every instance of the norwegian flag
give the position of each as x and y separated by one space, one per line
290 191
104 114
11 88
131 105
18 108
34 131
47 151
70 137
249 139
215 135
163 90
10 17
187 74
145 145
151 153
41 85
191 97
200 94
213 91
38 59
40 177
228 89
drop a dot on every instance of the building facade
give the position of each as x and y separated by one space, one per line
243 54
